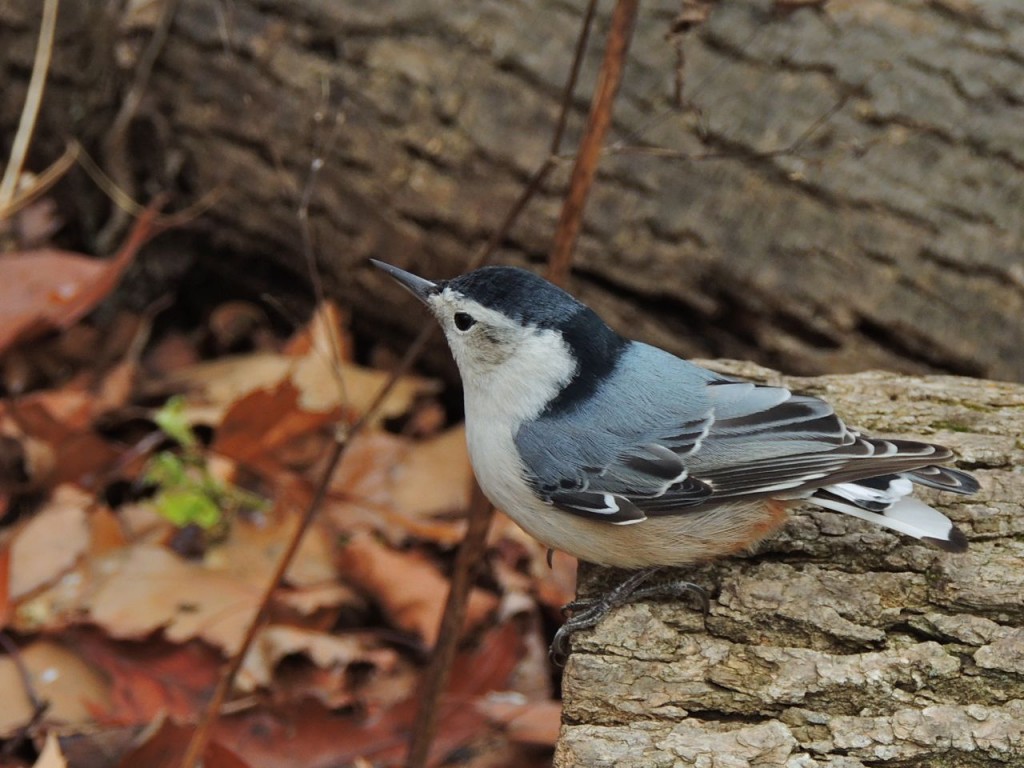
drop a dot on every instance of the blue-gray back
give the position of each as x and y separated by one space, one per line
661 435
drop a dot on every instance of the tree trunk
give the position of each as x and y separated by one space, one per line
891 236
838 644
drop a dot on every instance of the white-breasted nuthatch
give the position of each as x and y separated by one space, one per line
623 454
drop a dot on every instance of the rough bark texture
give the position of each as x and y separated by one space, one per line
837 644
891 238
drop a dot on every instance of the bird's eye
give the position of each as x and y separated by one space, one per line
464 321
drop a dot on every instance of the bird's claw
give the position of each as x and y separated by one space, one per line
579 604
588 611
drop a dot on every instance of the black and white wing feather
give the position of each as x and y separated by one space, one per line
612 490
747 442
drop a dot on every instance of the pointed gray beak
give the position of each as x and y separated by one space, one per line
417 286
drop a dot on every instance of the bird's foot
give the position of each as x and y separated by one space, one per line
587 612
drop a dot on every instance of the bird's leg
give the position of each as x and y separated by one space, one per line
587 612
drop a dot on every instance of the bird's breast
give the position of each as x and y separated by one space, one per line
496 406
497 465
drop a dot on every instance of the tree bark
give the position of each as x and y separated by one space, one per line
838 644
891 236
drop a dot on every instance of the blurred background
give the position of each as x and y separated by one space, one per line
820 189
816 187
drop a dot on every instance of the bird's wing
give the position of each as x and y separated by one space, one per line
749 441
612 490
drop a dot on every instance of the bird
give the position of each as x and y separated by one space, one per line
623 454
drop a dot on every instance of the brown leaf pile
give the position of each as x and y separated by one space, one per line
116 623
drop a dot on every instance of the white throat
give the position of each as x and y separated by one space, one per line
498 401
510 373
522 385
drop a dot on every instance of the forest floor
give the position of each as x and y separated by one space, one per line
151 479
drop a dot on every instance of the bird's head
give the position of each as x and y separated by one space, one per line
510 323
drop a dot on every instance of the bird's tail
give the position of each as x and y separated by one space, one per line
887 500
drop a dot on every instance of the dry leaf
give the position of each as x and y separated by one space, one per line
220 383
62 419
554 585
150 588
253 551
264 421
55 606
408 588
51 542
51 756
393 484
117 386
308 600
434 477
326 651
59 677
327 332
72 406
314 562
360 495
149 679
49 289
525 722
165 745
106 533
323 386
98 748
364 474
26 464
307 733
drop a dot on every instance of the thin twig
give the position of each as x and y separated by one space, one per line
574 73
201 736
115 146
42 182
571 219
435 679
481 512
122 200
316 166
636 133
33 100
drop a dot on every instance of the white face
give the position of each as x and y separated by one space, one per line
533 363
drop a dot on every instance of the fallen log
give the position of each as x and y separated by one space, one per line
837 644
839 189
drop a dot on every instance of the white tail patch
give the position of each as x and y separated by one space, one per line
862 494
907 515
